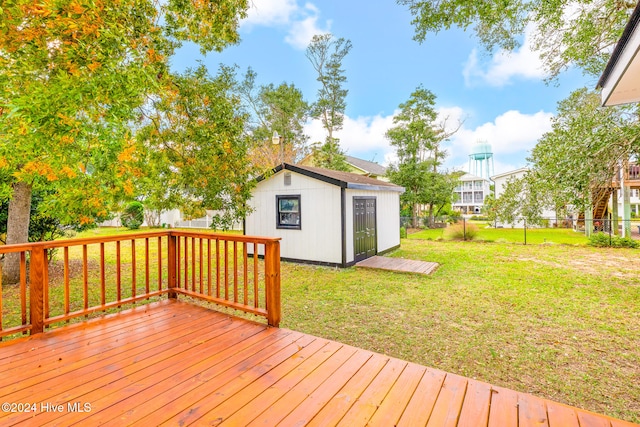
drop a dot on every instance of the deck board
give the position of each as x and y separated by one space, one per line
173 363
398 264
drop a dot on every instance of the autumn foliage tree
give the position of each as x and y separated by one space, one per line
73 76
193 144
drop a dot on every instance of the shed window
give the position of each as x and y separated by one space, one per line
288 215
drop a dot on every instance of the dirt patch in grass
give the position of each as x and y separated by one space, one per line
56 269
620 266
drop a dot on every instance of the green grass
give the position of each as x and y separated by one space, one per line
534 236
559 321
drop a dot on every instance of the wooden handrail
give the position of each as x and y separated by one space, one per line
215 267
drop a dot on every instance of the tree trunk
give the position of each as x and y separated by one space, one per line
431 216
17 229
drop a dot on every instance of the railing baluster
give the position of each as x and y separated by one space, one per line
103 281
226 270
217 268
201 264
146 265
159 263
186 262
209 267
85 277
23 286
256 300
235 271
177 263
118 272
134 270
193 264
66 280
245 273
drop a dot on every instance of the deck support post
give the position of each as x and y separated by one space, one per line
171 265
272 282
37 266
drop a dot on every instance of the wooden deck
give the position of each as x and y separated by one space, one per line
174 363
398 264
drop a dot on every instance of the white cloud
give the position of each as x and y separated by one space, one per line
301 32
510 132
511 135
301 22
270 12
360 137
504 65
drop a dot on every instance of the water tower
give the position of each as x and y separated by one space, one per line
481 160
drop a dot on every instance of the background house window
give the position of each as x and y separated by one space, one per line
288 215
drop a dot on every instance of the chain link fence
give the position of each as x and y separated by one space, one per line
519 230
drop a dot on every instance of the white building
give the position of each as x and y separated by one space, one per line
470 194
634 202
325 217
501 180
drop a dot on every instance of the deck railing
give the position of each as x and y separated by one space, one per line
91 275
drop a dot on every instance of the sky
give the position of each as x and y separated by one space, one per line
497 97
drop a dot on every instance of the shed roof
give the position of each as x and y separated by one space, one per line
341 179
620 81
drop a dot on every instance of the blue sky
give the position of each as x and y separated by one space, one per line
501 99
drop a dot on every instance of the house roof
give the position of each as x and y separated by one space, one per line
469 177
513 172
341 179
367 166
620 81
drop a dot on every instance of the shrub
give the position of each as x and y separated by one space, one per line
601 240
461 231
403 233
133 216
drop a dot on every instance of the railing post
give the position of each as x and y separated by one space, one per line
171 264
272 281
37 264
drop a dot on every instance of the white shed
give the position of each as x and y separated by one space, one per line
325 217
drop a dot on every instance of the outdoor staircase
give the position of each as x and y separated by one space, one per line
601 202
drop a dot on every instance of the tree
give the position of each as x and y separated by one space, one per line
279 109
518 201
565 32
417 137
326 55
72 78
580 154
194 145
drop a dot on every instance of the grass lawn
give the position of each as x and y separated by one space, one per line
558 321
535 236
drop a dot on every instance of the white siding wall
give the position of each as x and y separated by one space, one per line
387 218
320 236
500 182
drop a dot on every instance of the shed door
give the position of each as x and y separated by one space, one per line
364 228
